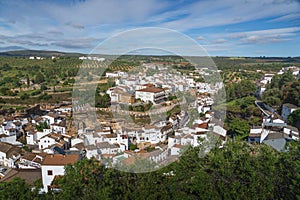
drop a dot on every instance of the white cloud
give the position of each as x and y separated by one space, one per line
287 17
223 12
79 24
266 36
101 11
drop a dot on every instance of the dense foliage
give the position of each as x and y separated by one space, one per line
294 118
238 90
237 171
283 89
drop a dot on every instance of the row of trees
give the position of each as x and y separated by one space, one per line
237 171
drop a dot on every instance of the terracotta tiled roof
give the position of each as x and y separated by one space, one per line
151 89
178 146
9 149
58 159
29 175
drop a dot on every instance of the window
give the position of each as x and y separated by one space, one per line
50 172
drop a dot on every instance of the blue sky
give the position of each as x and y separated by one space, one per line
221 27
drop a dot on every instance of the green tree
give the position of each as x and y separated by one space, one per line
286 78
132 147
5 67
291 93
246 102
294 118
15 189
102 101
4 90
87 179
39 78
43 87
239 128
24 96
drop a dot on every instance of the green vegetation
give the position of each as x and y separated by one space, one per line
240 89
175 110
16 189
237 171
142 107
132 147
294 118
283 89
103 87
122 65
102 101
25 79
41 126
241 115
141 120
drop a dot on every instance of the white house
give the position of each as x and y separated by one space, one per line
10 127
33 136
260 91
59 127
292 132
158 155
151 94
123 141
287 109
12 139
63 109
54 165
52 139
107 148
150 134
30 161
116 74
267 79
176 149
51 118
9 154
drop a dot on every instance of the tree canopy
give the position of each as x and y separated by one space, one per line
236 171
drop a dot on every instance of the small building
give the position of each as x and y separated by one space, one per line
53 139
30 161
176 149
255 135
151 94
9 154
54 165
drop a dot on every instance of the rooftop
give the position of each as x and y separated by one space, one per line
151 89
9 149
29 175
58 159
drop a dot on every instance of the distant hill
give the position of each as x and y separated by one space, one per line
27 53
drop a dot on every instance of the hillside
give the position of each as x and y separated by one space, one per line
26 53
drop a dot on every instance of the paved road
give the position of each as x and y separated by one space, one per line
261 106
